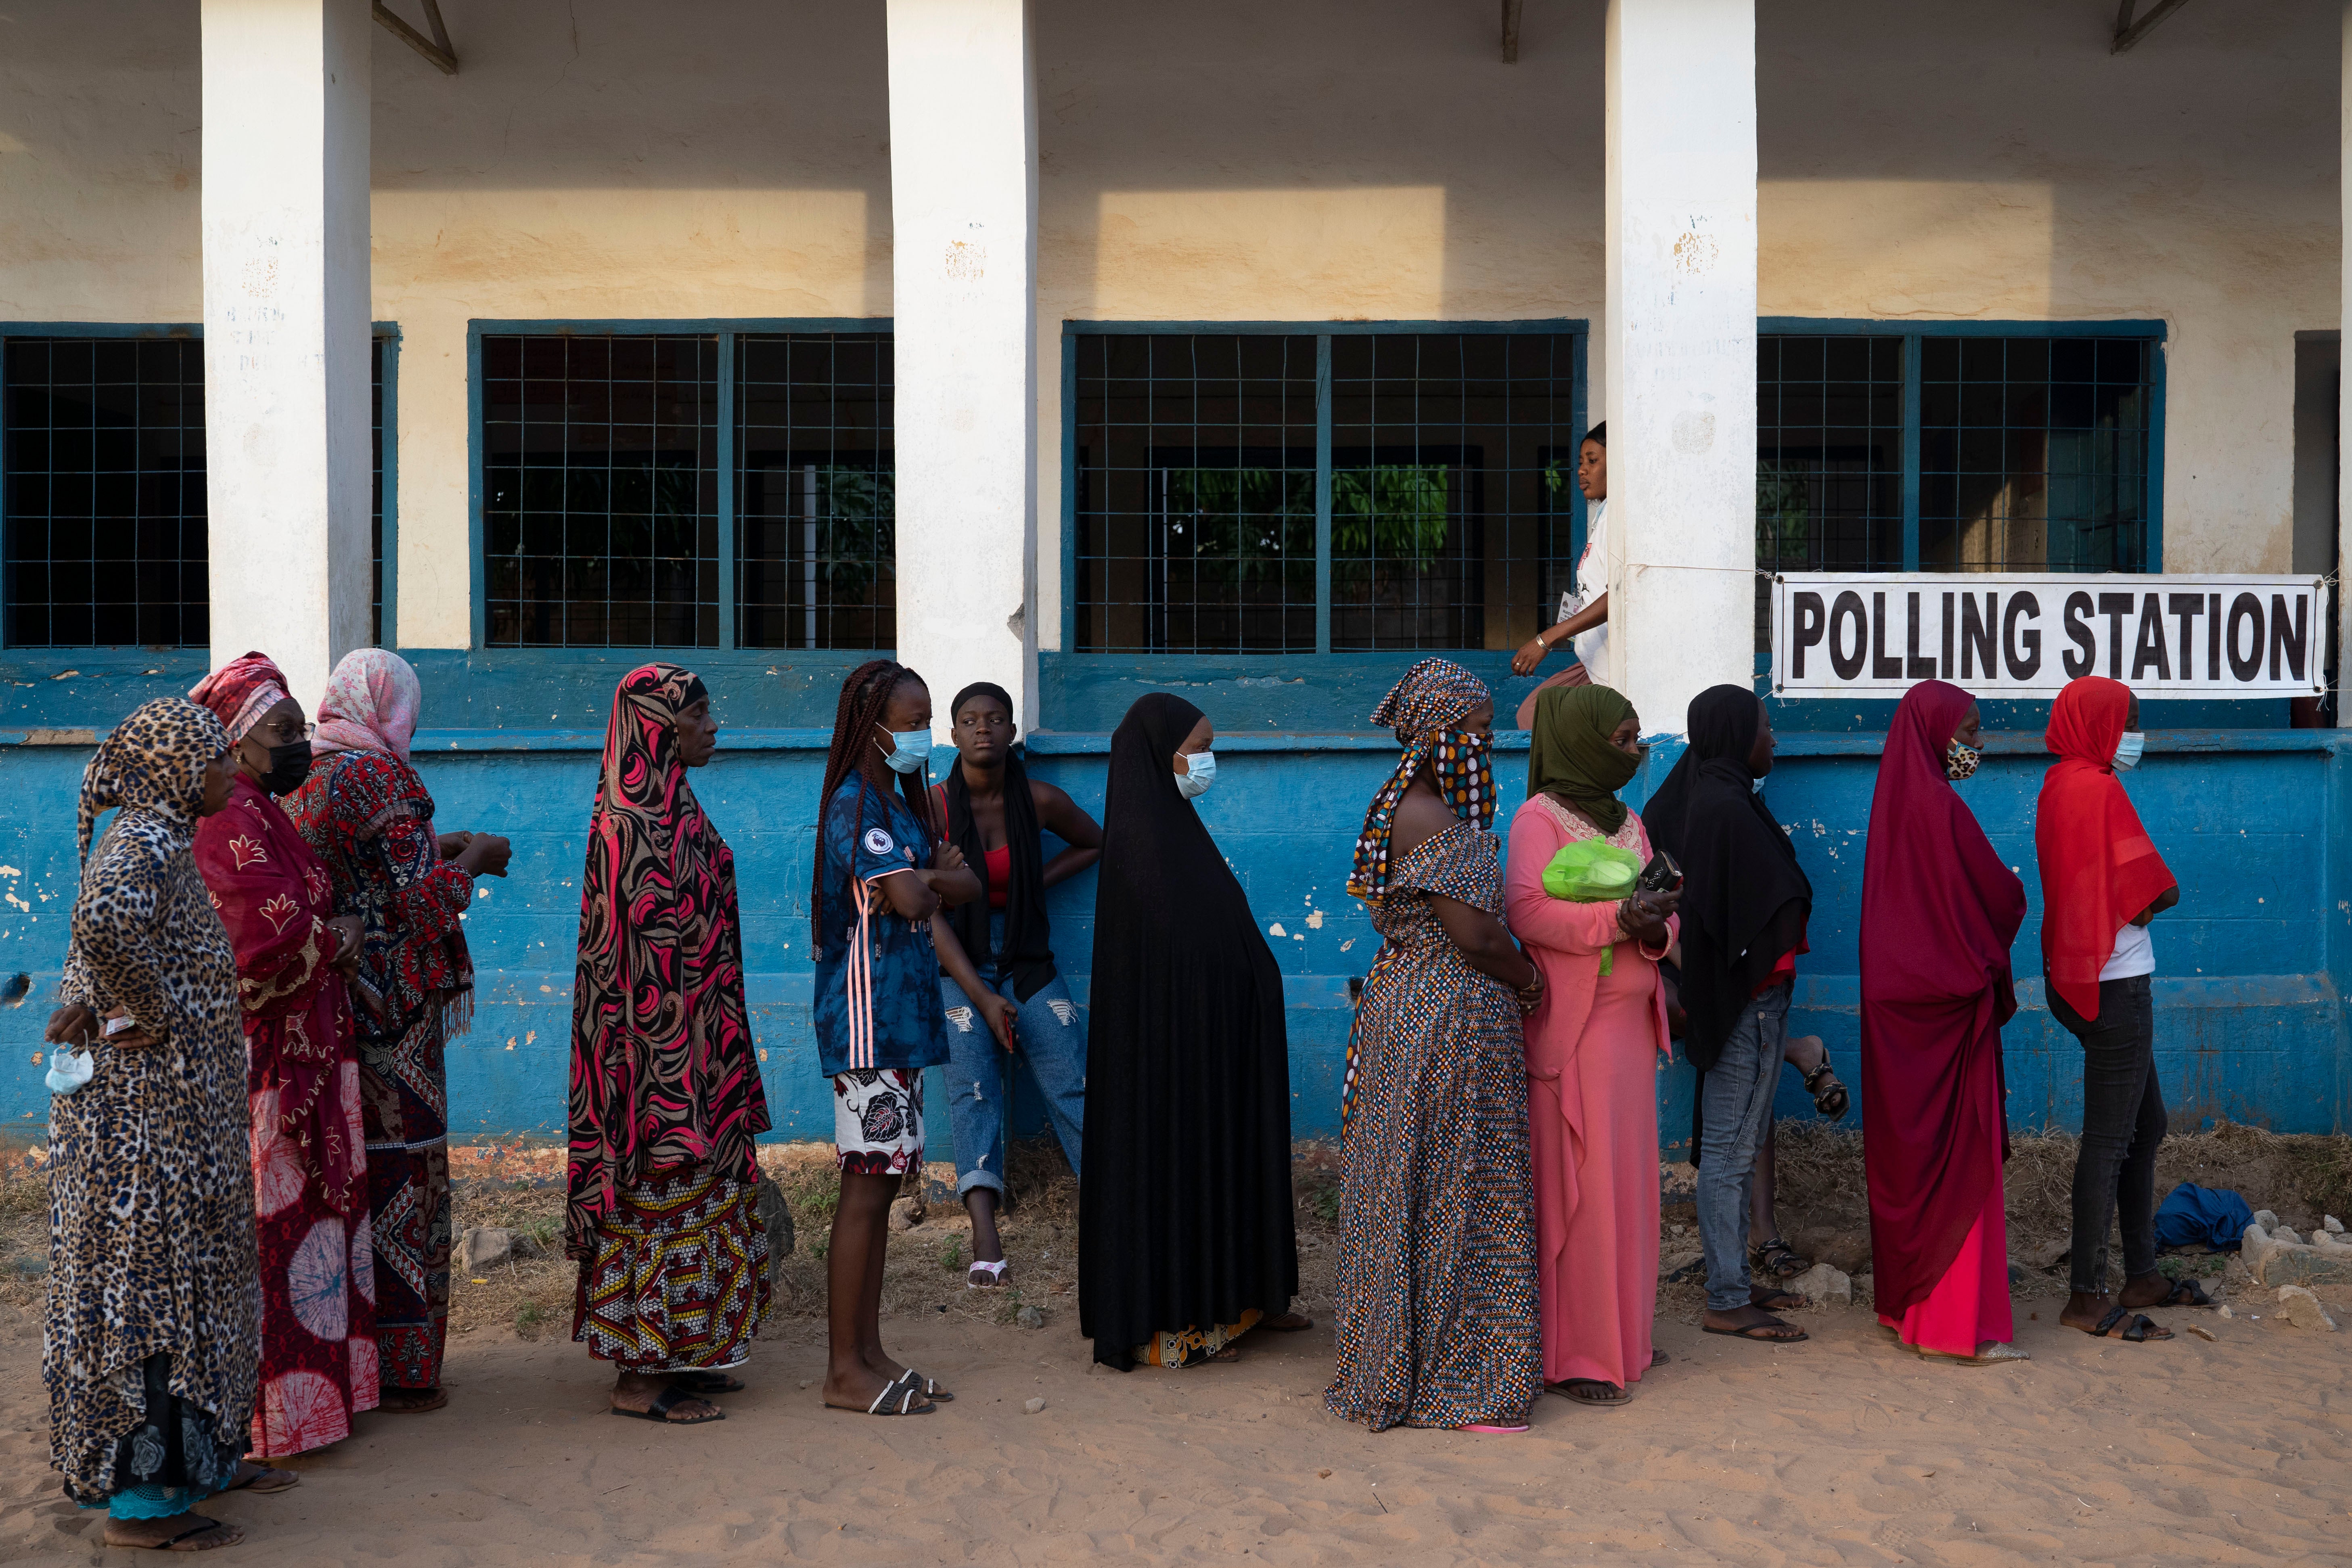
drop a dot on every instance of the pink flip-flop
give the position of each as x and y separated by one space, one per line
1505 1431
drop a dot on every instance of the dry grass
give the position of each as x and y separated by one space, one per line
1821 1207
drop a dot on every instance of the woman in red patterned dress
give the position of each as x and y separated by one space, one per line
367 814
310 1162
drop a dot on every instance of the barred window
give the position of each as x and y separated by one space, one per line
103 497
816 552
1266 491
600 489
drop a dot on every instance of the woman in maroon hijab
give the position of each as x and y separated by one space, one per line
1939 909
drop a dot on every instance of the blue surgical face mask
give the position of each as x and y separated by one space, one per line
909 752
2128 750
1203 766
1756 786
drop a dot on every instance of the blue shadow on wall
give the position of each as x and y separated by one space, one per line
2251 1022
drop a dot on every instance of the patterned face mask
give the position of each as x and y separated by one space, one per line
1463 766
1960 760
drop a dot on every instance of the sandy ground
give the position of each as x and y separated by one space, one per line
1845 1449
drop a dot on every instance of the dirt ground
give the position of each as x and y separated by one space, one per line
1846 1449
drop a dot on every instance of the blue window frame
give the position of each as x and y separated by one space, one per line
1958 447
1288 488
683 484
102 497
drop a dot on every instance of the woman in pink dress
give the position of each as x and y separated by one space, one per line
1594 1050
1939 908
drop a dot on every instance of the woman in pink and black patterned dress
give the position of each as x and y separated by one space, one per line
367 814
666 1094
309 1157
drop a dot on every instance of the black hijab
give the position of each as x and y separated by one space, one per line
1184 1213
1028 938
1745 899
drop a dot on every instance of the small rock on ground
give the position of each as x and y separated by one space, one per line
1033 1405
1030 1318
2302 1309
1823 1286
489 1246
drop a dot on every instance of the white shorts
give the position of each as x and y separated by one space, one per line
877 1121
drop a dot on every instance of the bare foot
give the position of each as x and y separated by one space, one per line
638 1391
254 1476
180 1533
412 1401
1288 1324
1751 1323
858 1386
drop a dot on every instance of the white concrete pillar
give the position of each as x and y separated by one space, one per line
1680 375
286 330
964 215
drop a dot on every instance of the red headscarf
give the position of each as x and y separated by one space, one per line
1939 909
240 691
2099 868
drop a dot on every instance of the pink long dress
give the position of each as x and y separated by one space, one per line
1594 1050
1970 1303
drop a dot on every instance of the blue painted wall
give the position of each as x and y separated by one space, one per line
2250 1024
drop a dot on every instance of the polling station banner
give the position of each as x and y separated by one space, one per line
2025 633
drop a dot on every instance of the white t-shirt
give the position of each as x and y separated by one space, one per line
1592 581
2135 954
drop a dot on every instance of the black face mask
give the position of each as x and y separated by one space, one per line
288 766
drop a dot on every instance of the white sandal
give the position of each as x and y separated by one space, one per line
995 1272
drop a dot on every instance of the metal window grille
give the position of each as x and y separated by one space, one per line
1829 457
378 349
1271 492
816 543
104 491
600 493
2033 454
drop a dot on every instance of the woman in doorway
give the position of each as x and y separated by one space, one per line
1744 908
150 1348
1593 1046
877 884
1939 908
661 1206
367 816
309 1152
998 958
1185 1238
1584 611
1436 1302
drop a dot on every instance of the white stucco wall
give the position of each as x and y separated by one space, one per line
1308 160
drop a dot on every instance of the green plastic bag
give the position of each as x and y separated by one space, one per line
1592 871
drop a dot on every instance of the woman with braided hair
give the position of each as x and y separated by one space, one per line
878 882
665 1096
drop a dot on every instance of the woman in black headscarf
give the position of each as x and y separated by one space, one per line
1744 908
1184 1222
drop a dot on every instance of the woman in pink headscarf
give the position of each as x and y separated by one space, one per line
310 1162
367 814
1939 908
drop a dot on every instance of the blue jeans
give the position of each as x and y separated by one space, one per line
1738 1090
1049 1033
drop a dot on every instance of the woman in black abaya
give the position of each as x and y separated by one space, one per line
1184 1221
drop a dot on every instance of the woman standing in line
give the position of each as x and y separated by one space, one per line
1593 1049
1584 613
661 1206
1185 1235
1000 959
309 1155
1744 908
878 882
1939 908
367 814
1436 1303
149 1348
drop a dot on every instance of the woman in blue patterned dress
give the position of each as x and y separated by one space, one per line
1436 1297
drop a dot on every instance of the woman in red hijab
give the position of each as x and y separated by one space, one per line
1938 912
2102 882
309 1160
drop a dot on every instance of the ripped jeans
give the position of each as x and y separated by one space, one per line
1050 1033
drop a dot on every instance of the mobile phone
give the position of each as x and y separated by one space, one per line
1661 875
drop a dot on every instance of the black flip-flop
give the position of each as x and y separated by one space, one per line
1659 1357
1761 1334
2135 1330
1590 1391
171 1542
897 1398
2185 1293
667 1400
931 1389
698 1381
252 1483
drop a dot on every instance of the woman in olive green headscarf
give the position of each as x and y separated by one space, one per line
1592 1050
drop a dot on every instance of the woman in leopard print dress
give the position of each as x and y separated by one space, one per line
152 1340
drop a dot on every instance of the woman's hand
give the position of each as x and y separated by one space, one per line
1531 654
453 843
1644 916
71 1026
350 931
1002 1020
948 858
133 1039
484 855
